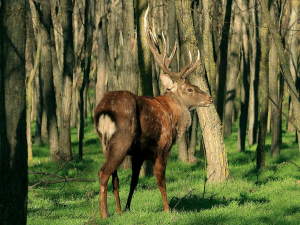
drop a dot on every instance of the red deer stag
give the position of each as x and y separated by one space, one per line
145 127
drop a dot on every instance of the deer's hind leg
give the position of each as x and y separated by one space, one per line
115 154
136 167
115 184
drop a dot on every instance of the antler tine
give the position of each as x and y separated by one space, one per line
161 58
187 66
154 40
154 35
164 52
169 60
190 70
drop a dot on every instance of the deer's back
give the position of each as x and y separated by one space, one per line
150 122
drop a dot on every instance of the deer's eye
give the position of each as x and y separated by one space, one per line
190 90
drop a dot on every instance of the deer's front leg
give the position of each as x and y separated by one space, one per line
159 171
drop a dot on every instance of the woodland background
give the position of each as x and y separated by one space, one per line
62 50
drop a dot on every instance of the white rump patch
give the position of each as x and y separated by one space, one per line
106 127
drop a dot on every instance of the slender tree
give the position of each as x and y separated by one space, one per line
274 95
67 79
264 82
45 23
254 77
88 43
233 70
268 21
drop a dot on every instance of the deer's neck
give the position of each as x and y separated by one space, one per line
181 118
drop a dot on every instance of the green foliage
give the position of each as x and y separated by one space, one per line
266 196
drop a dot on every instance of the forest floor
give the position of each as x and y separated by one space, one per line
250 196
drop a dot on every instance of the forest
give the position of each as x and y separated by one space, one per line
58 58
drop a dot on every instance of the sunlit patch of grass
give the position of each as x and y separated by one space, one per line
266 196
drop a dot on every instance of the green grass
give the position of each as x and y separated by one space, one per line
266 196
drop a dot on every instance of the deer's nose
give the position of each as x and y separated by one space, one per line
211 100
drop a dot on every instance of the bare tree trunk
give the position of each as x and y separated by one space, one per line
45 24
183 148
293 26
245 79
193 138
217 164
274 74
13 144
264 82
145 67
68 55
224 59
102 48
284 65
233 70
254 76
88 44
29 96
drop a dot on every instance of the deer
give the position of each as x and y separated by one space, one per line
145 128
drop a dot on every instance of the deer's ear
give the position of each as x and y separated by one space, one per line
167 81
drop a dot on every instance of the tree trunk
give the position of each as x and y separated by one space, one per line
193 138
254 77
29 97
88 44
145 68
183 148
245 79
224 60
233 70
217 164
293 43
102 48
284 65
264 82
273 94
13 144
68 55
47 74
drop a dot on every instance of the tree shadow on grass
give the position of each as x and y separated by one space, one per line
198 203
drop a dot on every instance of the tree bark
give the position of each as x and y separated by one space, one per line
274 95
13 144
45 23
245 79
293 44
102 48
254 77
233 70
193 138
264 82
145 68
267 19
88 44
67 80
217 164
224 59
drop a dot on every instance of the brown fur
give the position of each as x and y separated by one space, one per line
145 128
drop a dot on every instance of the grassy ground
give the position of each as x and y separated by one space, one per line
268 196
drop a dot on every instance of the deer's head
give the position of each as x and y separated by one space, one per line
190 95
